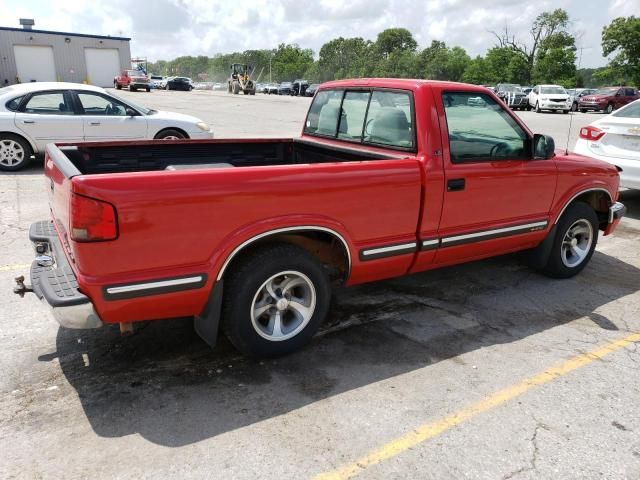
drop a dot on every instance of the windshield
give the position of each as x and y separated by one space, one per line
143 110
511 88
552 90
134 73
605 91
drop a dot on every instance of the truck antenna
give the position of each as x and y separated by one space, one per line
571 112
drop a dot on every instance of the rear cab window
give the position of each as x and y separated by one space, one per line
377 117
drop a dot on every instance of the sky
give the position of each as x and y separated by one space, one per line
165 29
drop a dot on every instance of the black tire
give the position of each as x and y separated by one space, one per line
565 111
170 132
609 109
132 88
148 89
117 86
556 266
583 110
236 88
7 162
245 283
538 108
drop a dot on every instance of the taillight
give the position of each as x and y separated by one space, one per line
591 133
92 220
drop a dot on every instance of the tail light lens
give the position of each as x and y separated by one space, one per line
591 133
92 220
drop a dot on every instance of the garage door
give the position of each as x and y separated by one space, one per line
35 63
102 65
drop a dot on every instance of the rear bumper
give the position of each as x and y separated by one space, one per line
54 282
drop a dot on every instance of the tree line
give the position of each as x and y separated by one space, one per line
548 54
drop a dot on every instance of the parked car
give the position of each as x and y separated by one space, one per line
615 139
311 90
513 95
576 93
285 88
156 81
298 87
362 204
549 97
608 99
34 114
179 83
164 81
272 88
132 79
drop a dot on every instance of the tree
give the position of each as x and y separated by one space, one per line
556 60
545 26
438 62
343 58
476 72
622 37
291 62
393 39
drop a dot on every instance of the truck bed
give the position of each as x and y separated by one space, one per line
153 156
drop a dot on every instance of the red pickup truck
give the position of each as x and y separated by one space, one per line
132 79
389 177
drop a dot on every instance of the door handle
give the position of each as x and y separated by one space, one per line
94 124
455 184
28 121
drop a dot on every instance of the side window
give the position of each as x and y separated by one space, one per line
49 103
323 114
390 120
482 132
354 108
94 104
630 92
14 103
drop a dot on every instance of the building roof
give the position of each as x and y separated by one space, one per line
66 34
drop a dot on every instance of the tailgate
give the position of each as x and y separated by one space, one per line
59 171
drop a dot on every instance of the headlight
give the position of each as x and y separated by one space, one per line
203 126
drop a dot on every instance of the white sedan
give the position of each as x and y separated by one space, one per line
615 138
34 114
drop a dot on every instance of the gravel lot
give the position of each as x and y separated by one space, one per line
481 371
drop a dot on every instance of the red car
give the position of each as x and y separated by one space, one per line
607 99
389 177
132 79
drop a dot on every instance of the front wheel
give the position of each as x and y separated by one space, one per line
275 299
575 240
117 86
170 134
609 109
538 108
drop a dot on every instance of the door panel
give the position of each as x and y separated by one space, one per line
49 117
492 187
105 118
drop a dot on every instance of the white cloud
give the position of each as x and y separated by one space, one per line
170 28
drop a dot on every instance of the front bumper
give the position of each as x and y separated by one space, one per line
139 85
616 212
54 282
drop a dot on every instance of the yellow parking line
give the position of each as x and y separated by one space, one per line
8 268
433 429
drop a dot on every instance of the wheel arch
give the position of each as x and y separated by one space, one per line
596 197
327 244
178 129
34 150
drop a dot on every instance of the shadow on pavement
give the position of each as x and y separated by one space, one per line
165 384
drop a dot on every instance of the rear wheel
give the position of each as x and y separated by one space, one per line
574 243
609 108
170 134
117 86
15 152
275 300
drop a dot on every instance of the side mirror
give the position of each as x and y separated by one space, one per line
131 112
544 147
